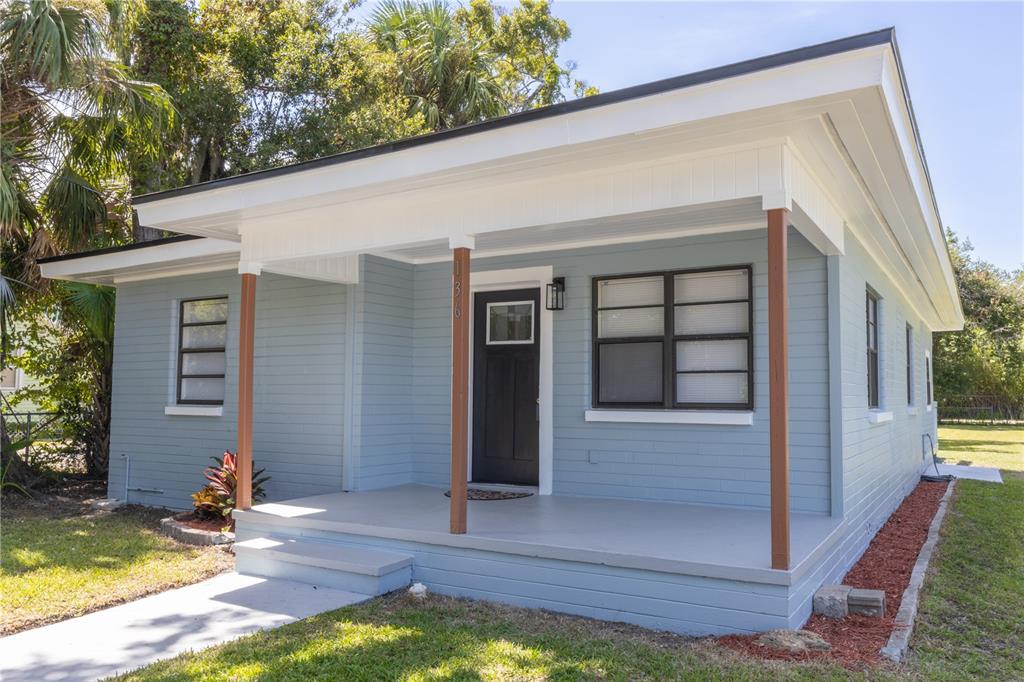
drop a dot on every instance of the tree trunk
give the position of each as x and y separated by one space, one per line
141 233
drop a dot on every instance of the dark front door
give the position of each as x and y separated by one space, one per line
506 376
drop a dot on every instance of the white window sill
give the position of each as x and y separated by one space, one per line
879 417
912 410
928 407
715 418
194 410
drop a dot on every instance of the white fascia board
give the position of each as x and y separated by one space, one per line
135 264
893 90
495 147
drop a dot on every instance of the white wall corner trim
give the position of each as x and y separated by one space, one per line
194 410
714 418
879 417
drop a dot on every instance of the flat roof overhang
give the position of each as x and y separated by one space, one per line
825 131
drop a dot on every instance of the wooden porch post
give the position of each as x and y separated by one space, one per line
246 336
460 386
778 384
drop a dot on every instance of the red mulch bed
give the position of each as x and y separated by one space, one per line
886 565
201 523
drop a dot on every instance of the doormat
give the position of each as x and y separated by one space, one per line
480 494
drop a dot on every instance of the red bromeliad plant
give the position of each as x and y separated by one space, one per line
217 498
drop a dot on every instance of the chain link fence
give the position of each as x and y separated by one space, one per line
980 409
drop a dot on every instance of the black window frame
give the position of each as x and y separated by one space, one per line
669 339
910 364
871 304
928 377
182 324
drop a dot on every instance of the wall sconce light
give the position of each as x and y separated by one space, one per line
556 294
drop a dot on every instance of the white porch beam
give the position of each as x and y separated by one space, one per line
773 171
431 215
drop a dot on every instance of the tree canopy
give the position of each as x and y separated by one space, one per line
987 357
260 83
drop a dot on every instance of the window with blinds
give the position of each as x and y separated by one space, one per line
872 347
678 339
202 360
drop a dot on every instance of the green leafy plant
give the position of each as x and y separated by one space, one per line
217 498
6 485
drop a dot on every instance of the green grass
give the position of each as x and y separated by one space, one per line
971 622
57 568
1001 447
397 638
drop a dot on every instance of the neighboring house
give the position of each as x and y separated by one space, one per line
12 380
693 317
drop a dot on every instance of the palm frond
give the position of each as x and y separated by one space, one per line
77 208
94 305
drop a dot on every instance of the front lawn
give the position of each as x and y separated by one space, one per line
971 623
996 446
59 565
398 638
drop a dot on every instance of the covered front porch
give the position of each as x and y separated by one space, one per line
698 540
695 569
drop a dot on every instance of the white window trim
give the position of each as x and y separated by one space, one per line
194 410
487 325
712 417
913 410
879 416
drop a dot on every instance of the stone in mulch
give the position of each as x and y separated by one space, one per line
886 565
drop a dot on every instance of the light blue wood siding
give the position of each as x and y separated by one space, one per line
299 385
881 462
384 440
701 464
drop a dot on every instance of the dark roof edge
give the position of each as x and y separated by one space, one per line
833 47
117 249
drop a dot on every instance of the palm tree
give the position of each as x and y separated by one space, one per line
71 120
447 74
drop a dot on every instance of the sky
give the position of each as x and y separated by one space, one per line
964 64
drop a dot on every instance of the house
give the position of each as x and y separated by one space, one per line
691 318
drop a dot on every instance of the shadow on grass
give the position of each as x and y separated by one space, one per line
959 445
396 638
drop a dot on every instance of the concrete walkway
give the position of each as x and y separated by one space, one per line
970 472
132 635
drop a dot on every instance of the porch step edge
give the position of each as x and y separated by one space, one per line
371 562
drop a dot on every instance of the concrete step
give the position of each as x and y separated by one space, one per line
356 569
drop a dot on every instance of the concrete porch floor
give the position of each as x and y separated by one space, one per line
717 542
